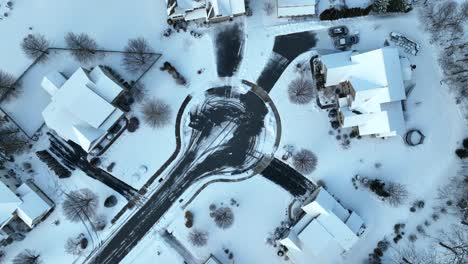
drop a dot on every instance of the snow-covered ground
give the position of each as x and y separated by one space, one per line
246 237
262 205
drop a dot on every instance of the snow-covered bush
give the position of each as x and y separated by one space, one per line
156 113
80 205
301 91
223 217
28 256
198 238
305 161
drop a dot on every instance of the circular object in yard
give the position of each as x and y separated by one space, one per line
280 253
414 137
143 169
333 113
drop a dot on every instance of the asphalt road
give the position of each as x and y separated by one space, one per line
288 178
225 128
285 50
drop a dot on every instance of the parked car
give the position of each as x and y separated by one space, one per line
338 31
346 41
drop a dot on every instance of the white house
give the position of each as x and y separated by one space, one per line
27 203
204 10
81 107
212 260
372 89
291 8
326 229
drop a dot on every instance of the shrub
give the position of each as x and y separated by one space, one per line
465 143
462 153
188 219
133 124
110 201
334 14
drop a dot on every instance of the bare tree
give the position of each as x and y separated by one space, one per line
138 55
409 254
301 91
9 87
11 141
156 113
305 161
223 217
80 205
36 46
454 195
198 238
82 46
454 244
398 193
138 91
28 256
76 245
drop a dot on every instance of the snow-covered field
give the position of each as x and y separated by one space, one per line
262 205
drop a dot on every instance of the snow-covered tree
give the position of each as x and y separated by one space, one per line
35 46
301 91
80 205
83 47
156 113
454 244
138 55
198 238
305 161
223 217
28 256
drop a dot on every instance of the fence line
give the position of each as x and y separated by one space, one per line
38 60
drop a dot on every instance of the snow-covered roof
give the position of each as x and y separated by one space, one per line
292 241
81 109
212 260
377 79
33 206
194 14
52 82
227 7
287 8
8 203
327 223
